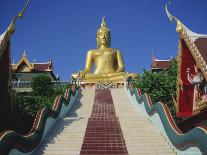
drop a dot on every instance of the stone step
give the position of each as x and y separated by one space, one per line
66 137
141 136
152 151
69 148
58 152
142 152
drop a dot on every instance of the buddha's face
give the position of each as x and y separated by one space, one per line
103 38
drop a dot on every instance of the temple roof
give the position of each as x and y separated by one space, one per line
24 65
47 66
3 40
197 43
160 64
11 28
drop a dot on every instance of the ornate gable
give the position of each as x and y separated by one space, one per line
192 70
23 65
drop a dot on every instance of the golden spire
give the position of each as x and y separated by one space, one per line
11 28
179 26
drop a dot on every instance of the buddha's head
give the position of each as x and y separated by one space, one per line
103 35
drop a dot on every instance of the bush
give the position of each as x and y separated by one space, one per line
42 85
61 88
28 103
160 86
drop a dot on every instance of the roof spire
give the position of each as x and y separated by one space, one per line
153 56
24 53
179 27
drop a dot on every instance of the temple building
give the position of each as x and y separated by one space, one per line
24 70
6 93
159 65
191 97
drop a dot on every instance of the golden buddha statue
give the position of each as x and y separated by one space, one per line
108 62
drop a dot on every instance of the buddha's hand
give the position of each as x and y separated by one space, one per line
82 74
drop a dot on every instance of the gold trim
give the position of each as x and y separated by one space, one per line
190 44
179 80
200 62
179 26
23 59
195 53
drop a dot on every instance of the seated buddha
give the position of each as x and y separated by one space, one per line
108 62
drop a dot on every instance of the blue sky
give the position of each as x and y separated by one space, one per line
63 30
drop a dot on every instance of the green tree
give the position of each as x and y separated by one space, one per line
160 86
42 85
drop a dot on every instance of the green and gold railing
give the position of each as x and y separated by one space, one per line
190 141
12 142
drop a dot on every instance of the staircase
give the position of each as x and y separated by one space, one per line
141 137
77 132
103 134
66 136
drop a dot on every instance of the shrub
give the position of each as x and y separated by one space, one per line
29 105
160 86
42 85
61 88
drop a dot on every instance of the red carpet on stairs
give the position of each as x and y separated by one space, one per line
103 134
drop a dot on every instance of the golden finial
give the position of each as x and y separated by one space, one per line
11 28
103 25
179 27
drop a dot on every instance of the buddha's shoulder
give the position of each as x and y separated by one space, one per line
115 50
92 51
98 50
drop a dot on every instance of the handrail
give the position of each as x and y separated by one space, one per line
27 84
196 137
27 142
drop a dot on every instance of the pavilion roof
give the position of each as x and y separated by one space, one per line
24 65
161 64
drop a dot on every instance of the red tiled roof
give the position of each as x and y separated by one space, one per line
161 64
42 66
